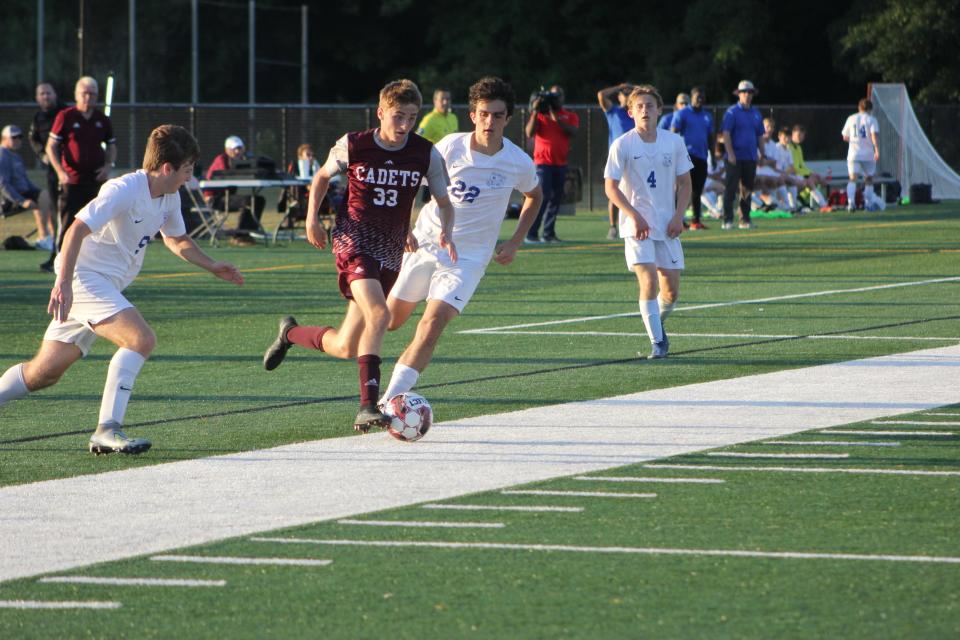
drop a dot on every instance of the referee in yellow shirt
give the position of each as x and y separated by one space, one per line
438 123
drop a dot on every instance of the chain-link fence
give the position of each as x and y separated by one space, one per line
276 131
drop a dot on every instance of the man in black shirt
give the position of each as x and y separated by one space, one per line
43 119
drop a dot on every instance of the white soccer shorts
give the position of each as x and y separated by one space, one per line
95 299
431 276
665 254
866 168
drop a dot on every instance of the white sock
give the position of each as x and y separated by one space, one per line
12 384
792 197
665 308
851 194
783 196
709 200
650 311
123 370
756 200
401 380
817 197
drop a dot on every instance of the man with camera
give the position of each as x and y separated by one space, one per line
551 127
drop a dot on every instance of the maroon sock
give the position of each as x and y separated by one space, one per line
369 379
309 337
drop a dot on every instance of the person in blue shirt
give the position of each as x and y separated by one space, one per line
666 120
742 132
613 101
695 124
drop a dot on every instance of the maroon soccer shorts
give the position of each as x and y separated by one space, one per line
352 267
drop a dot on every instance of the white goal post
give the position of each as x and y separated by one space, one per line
905 150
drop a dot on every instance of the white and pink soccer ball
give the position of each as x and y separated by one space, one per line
410 416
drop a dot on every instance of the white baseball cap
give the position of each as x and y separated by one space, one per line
233 142
745 85
11 130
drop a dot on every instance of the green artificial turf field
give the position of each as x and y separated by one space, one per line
794 293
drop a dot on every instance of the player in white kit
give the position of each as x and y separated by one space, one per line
648 177
102 254
484 169
861 131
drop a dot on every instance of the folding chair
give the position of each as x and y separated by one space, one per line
293 200
210 220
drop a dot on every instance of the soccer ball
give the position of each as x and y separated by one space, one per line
410 416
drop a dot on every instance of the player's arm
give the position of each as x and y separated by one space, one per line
437 181
606 96
337 162
611 187
61 296
876 146
684 187
103 173
532 123
53 155
507 251
446 214
185 248
728 145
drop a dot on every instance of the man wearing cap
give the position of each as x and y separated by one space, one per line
742 131
75 153
228 199
17 193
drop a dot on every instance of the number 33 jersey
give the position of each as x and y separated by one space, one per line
647 172
480 188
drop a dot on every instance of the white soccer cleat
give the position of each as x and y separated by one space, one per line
116 441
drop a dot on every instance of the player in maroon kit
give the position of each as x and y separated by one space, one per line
383 167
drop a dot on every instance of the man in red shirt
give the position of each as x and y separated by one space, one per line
384 168
551 127
75 153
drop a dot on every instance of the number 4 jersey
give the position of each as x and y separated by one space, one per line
857 130
647 172
382 184
480 188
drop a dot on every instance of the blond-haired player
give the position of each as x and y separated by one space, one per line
648 178
384 168
102 254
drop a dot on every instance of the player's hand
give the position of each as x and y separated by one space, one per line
643 229
316 235
63 177
61 300
411 245
876 154
28 204
226 271
447 244
675 227
506 252
103 173
731 158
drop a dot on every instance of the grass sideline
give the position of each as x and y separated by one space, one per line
204 392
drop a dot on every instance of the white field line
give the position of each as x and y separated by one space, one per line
883 472
716 305
920 423
766 336
941 413
817 456
581 494
652 479
832 443
297 562
133 582
863 432
62 604
504 546
413 523
505 507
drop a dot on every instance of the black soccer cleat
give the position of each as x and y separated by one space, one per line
278 350
368 417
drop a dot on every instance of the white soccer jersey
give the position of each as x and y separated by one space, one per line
123 219
480 188
647 172
784 158
858 128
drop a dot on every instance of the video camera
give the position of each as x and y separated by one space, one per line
548 100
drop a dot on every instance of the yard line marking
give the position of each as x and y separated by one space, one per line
716 305
299 562
894 472
921 423
638 479
856 432
734 454
505 546
584 494
941 413
55 604
505 507
765 336
833 443
136 582
412 523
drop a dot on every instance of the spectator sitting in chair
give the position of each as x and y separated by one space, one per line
17 193
229 199
293 200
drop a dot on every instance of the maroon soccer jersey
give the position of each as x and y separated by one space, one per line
80 152
381 187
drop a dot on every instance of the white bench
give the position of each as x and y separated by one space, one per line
838 170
